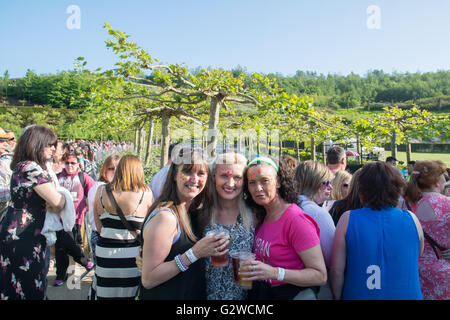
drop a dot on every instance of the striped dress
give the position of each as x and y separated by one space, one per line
116 273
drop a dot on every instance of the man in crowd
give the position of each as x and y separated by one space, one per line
336 159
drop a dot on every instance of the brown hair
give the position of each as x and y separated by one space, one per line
380 185
106 164
31 144
425 174
129 175
185 159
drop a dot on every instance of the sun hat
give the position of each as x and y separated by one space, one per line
4 135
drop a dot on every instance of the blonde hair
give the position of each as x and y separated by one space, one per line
340 177
245 211
129 175
309 177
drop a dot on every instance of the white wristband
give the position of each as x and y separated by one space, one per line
281 272
190 254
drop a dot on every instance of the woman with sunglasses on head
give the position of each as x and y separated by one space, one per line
289 262
119 211
22 246
106 176
172 264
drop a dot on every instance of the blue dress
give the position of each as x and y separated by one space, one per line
382 256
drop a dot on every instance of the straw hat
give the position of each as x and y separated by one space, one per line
3 135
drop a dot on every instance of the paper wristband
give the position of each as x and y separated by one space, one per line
281 272
191 256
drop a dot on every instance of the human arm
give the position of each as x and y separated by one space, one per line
313 274
55 200
158 236
98 209
419 232
339 257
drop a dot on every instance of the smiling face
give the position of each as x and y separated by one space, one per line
190 181
229 179
263 183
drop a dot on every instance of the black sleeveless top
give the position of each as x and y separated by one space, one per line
188 285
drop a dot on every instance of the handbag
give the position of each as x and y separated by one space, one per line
126 223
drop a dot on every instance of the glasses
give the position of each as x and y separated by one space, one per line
345 185
326 184
112 169
72 163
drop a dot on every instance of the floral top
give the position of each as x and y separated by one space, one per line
220 284
435 273
22 246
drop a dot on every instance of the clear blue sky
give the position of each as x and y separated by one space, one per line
326 36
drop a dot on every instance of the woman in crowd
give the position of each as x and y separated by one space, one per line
69 243
119 210
314 186
22 246
350 202
230 212
58 163
106 176
424 196
376 249
170 270
340 185
287 245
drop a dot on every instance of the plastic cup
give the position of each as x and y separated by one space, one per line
243 257
235 262
222 260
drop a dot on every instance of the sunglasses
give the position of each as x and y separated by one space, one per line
326 184
345 185
112 169
72 163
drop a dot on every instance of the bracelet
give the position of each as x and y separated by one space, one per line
180 263
281 272
190 254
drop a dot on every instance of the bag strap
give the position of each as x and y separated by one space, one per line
119 211
430 240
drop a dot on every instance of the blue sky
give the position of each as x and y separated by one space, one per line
326 36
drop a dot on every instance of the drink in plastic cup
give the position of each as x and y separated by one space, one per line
235 262
222 260
245 256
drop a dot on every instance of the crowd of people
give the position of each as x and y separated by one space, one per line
227 228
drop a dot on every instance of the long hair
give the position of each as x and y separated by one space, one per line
425 174
351 201
31 144
245 211
340 177
129 175
286 190
112 159
185 158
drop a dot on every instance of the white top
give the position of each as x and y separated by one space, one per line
157 182
91 199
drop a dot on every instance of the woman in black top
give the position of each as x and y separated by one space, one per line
170 250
